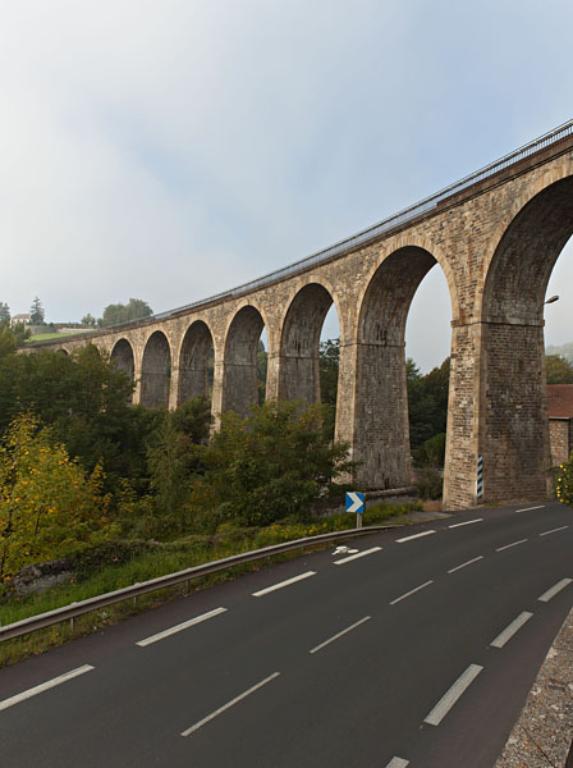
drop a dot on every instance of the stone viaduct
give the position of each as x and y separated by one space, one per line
496 235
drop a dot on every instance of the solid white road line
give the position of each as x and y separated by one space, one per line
340 634
411 592
229 704
355 557
468 522
449 698
510 630
513 544
555 589
285 583
529 509
414 536
554 530
398 762
44 686
464 565
180 627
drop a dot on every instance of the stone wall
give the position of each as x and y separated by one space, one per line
561 440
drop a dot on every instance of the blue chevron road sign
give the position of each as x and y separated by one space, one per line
355 502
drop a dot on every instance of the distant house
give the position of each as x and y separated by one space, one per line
16 319
560 412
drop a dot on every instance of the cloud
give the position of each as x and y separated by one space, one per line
172 150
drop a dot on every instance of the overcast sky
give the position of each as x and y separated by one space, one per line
169 150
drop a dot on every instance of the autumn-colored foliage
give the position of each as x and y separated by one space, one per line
49 505
564 482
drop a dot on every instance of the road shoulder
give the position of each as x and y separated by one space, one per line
542 735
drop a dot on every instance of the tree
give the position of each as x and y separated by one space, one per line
37 313
193 420
262 366
49 506
8 341
135 309
275 463
4 313
89 321
427 406
329 362
21 333
558 370
85 400
173 462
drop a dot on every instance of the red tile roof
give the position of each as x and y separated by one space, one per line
560 401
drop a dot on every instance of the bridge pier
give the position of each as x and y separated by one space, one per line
460 468
514 437
381 439
174 388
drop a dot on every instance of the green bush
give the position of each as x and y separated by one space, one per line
432 451
276 463
429 483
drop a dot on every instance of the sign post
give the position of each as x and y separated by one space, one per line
355 502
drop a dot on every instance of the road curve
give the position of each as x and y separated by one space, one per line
416 650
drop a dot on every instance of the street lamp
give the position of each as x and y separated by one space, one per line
552 300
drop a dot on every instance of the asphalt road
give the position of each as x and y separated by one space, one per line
418 653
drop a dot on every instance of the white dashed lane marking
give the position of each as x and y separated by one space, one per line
340 634
451 696
513 544
180 627
19 697
414 536
229 704
467 562
467 522
554 590
411 592
398 762
554 530
285 583
505 636
529 509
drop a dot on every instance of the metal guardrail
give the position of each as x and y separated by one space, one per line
363 237
74 610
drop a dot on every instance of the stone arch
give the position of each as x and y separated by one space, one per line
156 371
299 376
514 431
406 243
240 375
123 358
519 271
514 207
381 442
196 362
